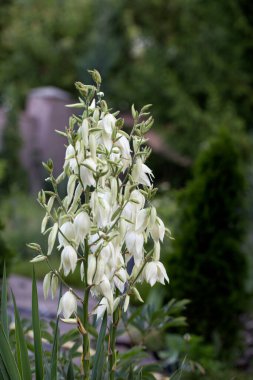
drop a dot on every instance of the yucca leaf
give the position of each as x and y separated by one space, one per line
37 332
7 357
4 314
70 373
22 351
54 357
3 373
99 356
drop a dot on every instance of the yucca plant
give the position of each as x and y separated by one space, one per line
108 228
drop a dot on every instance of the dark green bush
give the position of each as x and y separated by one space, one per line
208 265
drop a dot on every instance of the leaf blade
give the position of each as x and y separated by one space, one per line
39 370
8 357
99 356
23 360
4 314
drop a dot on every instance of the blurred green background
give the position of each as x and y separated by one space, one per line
192 59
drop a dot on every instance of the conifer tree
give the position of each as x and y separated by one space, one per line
208 266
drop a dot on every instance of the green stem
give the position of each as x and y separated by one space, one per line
112 351
86 339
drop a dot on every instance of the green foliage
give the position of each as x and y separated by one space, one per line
185 57
208 266
6 254
22 216
56 362
191 59
58 33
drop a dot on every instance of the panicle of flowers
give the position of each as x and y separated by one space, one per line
105 222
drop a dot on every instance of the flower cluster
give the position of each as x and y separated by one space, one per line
106 221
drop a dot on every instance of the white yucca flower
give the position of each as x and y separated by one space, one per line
66 234
158 230
141 173
87 170
101 208
134 243
68 260
102 307
82 226
67 305
106 290
70 159
155 272
107 124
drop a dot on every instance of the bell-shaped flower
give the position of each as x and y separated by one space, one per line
101 208
141 173
134 244
66 234
82 226
106 290
102 307
87 170
120 279
95 241
158 230
137 199
67 305
92 106
115 155
108 253
100 270
154 271
131 210
142 220
84 132
123 144
68 260
70 159
107 124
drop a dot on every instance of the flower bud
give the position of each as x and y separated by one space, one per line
92 263
137 294
67 305
46 284
38 258
157 249
126 303
54 285
82 271
51 238
84 130
99 270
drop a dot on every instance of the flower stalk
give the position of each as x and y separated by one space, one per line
106 218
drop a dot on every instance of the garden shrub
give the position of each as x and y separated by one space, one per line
208 265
